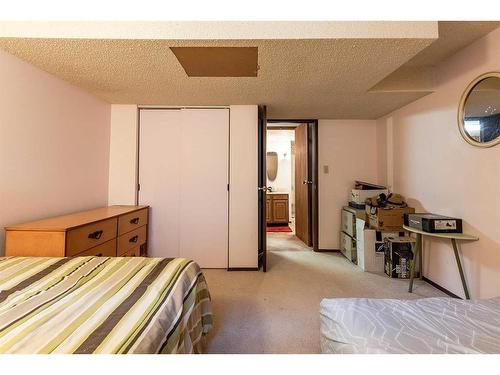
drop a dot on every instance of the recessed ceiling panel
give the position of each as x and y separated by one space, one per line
218 61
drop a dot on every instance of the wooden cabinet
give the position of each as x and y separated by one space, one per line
107 231
277 208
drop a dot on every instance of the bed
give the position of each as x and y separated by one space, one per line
429 325
102 305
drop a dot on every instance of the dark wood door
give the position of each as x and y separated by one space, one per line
302 185
262 180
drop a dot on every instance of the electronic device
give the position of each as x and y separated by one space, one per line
433 223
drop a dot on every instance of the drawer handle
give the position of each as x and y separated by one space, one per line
135 220
134 239
96 235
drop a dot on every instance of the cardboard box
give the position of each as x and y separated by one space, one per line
370 252
370 247
398 257
387 219
359 196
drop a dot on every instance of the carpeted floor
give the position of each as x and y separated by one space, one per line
278 311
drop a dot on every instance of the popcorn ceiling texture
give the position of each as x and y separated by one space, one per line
298 78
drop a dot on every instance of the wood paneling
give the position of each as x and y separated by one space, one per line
218 61
301 189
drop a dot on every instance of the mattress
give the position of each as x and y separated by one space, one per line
429 325
102 305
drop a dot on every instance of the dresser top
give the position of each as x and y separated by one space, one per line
66 222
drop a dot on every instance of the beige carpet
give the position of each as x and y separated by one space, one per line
278 311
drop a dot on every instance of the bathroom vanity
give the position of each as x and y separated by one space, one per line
277 208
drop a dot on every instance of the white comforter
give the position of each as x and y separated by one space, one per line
429 325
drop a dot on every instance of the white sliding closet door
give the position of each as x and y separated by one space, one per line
159 178
188 192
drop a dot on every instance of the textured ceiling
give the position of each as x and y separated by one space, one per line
418 73
313 78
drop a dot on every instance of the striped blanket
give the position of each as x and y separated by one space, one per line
102 305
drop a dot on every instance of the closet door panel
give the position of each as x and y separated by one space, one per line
203 211
159 177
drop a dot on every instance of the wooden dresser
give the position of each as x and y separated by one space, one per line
107 231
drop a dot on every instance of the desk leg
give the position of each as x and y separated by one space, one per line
420 256
462 276
417 256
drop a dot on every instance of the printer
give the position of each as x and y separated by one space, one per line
433 223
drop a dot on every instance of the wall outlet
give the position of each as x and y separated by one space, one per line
326 169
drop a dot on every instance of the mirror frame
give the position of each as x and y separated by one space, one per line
461 112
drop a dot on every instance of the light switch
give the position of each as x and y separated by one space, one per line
326 170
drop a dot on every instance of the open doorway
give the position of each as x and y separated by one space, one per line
289 185
280 173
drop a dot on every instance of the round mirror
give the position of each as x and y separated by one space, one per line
479 111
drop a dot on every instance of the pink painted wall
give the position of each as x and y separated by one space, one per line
439 172
348 149
54 145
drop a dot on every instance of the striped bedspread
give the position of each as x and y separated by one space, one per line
102 305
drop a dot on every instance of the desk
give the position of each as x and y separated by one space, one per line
417 251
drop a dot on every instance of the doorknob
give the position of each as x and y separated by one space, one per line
264 188
305 182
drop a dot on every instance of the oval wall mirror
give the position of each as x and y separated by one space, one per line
272 165
479 111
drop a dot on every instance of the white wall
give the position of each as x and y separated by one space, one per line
349 149
439 172
123 155
54 145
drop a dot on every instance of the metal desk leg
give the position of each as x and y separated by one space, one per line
420 256
417 251
462 276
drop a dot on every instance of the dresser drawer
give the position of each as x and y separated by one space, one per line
130 240
107 249
348 247
279 196
134 252
132 221
90 235
349 223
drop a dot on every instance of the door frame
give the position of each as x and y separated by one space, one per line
313 162
262 181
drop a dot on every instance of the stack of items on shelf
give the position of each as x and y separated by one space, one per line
372 234
385 213
350 232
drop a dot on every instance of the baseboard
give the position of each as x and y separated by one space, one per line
327 250
437 286
243 269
